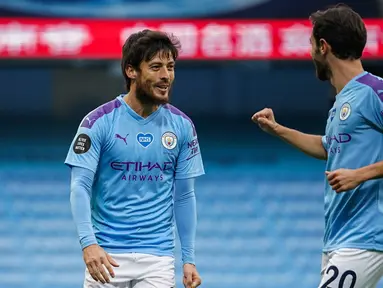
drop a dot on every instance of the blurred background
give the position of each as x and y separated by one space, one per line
261 202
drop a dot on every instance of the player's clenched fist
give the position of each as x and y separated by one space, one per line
343 180
95 259
191 276
265 120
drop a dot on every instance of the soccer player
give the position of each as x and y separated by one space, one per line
352 148
133 163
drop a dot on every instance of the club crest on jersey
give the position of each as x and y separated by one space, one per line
345 111
169 140
145 139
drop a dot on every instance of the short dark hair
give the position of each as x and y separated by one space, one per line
143 46
342 28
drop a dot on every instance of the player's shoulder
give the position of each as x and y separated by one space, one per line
180 117
177 114
101 114
370 83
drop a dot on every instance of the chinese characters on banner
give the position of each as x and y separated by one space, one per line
207 39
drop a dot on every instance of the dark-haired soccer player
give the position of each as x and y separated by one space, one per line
133 163
352 148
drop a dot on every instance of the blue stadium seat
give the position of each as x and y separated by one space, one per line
253 231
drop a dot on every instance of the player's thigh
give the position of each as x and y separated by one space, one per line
89 282
352 268
158 272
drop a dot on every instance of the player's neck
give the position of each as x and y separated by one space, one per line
141 109
343 72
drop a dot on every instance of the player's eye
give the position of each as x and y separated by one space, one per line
155 67
171 67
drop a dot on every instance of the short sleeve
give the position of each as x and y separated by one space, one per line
372 109
324 142
86 147
189 162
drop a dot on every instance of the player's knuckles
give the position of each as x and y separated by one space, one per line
103 259
188 278
336 187
90 262
92 259
187 283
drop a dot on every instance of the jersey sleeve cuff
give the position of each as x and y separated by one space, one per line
81 165
87 241
324 142
188 260
187 176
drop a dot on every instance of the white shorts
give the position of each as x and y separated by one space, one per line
138 271
351 268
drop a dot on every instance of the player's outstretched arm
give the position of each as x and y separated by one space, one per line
186 221
307 143
95 257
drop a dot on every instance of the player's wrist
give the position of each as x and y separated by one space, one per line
365 173
88 241
279 130
188 260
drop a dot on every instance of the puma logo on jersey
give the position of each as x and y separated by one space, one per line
118 136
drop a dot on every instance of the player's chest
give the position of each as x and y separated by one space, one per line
344 119
145 143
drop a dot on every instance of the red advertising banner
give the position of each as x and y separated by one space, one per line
208 39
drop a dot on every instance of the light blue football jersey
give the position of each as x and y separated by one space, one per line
136 161
354 139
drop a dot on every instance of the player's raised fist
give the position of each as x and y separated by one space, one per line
265 120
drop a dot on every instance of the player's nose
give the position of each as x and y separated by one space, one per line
164 74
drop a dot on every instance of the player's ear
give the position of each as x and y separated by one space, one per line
324 47
131 72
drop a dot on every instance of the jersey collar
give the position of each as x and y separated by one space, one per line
350 84
133 113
